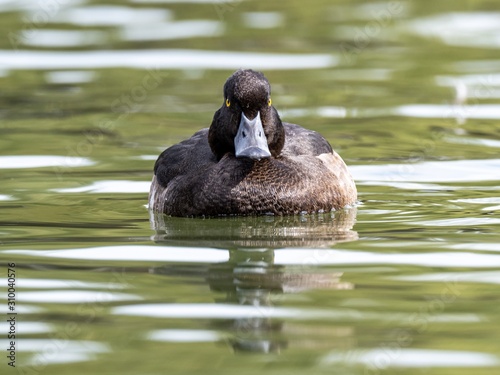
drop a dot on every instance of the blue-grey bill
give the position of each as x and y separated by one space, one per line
250 140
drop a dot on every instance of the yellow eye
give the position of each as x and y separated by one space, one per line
228 103
269 102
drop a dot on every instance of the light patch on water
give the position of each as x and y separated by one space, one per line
263 20
108 15
22 309
459 222
485 200
172 30
481 80
483 246
232 311
76 296
374 74
308 257
475 66
62 38
34 7
474 29
27 283
321 257
148 157
57 350
406 185
412 358
4 197
28 328
476 111
161 59
429 171
472 86
70 76
134 253
488 277
328 112
184 335
211 2
474 141
43 161
109 186
207 311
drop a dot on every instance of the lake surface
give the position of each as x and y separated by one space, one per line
406 282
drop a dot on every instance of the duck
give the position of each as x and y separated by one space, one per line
249 162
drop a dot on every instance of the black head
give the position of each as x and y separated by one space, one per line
247 124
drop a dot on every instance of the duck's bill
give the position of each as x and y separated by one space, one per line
250 140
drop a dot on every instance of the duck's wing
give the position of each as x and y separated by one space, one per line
301 141
188 156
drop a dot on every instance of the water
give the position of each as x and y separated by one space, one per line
406 282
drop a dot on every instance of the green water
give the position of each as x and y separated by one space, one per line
407 282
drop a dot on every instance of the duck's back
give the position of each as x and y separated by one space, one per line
308 176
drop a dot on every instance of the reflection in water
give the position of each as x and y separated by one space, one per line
250 277
163 59
321 230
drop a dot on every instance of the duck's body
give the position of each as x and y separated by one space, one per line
225 170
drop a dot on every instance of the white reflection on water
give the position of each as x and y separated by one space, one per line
172 30
22 309
70 76
184 335
475 66
34 6
27 283
461 221
108 15
484 246
209 311
57 351
329 112
230 311
402 357
4 197
474 141
161 59
430 171
110 186
263 20
476 111
134 253
41 161
76 296
479 29
487 277
286 256
344 257
29 328
63 38
214 2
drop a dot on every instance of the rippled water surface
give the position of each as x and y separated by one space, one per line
406 282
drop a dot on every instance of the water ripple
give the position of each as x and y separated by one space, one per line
419 358
161 59
430 171
286 256
42 161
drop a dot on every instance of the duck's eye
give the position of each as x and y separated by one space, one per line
228 103
269 102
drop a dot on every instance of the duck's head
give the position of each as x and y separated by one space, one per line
247 124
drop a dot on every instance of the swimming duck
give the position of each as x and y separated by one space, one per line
249 162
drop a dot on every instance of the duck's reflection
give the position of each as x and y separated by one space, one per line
319 230
250 276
